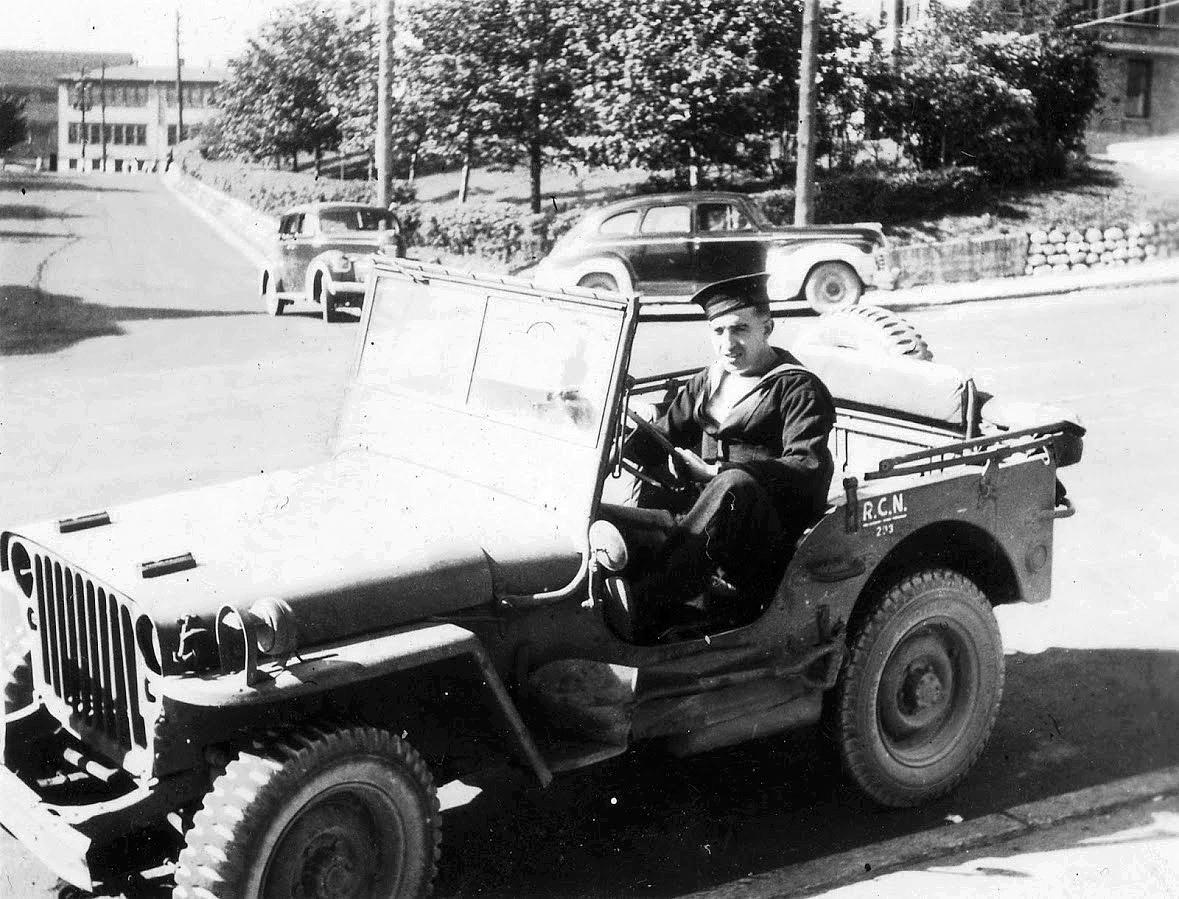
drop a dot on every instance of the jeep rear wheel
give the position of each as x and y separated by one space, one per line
831 285
919 694
349 812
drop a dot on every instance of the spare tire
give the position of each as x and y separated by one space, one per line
869 329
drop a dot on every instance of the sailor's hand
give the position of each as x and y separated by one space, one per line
697 468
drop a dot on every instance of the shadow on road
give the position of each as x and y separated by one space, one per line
29 182
33 321
32 212
647 825
24 236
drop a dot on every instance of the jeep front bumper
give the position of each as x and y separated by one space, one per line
69 837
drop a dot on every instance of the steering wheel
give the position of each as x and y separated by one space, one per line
672 478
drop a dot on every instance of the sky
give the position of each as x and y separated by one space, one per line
211 31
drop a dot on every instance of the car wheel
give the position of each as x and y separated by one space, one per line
273 304
599 281
316 813
831 285
867 329
920 690
18 684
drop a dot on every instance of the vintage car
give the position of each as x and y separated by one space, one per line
674 244
323 253
262 681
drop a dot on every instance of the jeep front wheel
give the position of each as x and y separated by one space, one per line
831 285
273 304
920 691
348 812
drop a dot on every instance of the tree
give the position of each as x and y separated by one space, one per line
495 78
278 99
13 127
1054 62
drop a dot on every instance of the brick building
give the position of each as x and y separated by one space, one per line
129 115
32 74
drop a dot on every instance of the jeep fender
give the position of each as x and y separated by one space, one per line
266 275
352 663
789 271
568 275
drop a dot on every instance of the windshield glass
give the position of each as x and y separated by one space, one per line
333 221
538 364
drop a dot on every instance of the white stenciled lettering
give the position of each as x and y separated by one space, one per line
884 509
869 512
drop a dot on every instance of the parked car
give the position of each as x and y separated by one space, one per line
271 675
323 253
667 245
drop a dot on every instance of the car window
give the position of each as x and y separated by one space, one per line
334 221
667 220
722 217
623 223
300 222
287 226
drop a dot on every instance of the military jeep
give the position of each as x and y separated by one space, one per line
260 682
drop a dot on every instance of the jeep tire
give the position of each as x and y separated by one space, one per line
18 684
868 329
920 690
832 285
348 811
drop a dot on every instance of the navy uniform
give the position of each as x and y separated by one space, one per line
775 469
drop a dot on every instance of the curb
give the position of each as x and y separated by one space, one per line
821 874
933 295
214 221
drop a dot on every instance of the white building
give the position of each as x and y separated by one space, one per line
128 115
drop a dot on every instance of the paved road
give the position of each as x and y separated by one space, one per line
136 361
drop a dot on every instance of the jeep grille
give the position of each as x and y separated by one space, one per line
88 657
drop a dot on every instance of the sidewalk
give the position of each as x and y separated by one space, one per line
1119 838
925 295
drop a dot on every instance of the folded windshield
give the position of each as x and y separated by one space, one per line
540 364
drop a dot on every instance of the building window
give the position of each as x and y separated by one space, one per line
1149 14
73 133
73 165
1138 78
189 131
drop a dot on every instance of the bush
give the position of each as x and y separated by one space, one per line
273 192
500 231
882 195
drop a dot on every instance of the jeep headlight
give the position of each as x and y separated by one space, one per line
267 628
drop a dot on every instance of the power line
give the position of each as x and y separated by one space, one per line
1127 15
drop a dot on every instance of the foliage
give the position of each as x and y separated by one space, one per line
273 192
961 91
1057 65
498 231
13 127
882 195
494 77
294 84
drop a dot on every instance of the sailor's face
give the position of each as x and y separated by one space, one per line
741 339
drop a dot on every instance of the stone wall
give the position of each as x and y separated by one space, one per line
1093 246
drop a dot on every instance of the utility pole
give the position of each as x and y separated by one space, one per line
384 137
804 175
179 84
102 108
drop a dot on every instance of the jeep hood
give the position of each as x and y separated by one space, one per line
356 544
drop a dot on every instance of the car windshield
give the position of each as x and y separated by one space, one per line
334 221
538 364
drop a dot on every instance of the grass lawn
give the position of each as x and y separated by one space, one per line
1104 191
